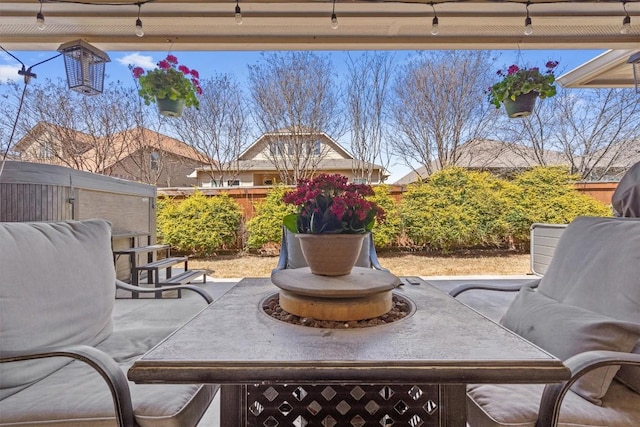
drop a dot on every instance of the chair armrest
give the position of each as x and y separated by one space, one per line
284 254
500 288
373 256
127 287
579 365
98 360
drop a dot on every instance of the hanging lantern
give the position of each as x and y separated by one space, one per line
84 65
634 60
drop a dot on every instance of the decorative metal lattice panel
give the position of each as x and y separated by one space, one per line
319 405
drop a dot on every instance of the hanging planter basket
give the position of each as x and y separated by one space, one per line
170 108
522 106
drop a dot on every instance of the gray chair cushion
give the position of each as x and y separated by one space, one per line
599 270
596 266
626 198
630 375
77 396
516 405
47 268
565 330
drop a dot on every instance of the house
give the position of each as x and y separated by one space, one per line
273 158
137 154
497 157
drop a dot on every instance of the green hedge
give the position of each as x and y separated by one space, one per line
266 225
199 225
455 209
386 233
458 208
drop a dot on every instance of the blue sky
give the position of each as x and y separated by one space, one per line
235 63
209 63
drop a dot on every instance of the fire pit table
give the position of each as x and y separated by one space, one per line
409 372
363 294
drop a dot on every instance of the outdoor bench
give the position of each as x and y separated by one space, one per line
62 361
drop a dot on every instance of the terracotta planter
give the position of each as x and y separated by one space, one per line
331 254
522 106
170 108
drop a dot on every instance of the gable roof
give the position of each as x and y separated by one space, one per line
153 140
42 128
260 144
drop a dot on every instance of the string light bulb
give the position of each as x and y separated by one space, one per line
40 19
435 29
334 17
139 30
528 29
626 21
238 15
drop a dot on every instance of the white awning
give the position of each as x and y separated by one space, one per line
609 69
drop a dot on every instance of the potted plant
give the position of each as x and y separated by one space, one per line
520 87
332 219
173 87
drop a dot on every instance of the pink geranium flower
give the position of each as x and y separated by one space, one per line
329 204
169 80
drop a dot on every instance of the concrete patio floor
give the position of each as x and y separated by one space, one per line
130 313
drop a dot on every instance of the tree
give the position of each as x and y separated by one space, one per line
439 104
78 131
595 131
218 131
294 103
599 131
534 138
367 88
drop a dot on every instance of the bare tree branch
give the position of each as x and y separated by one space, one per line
440 104
367 88
219 131
294 101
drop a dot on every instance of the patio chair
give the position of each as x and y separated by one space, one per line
291 254
585 310
626 198
62 362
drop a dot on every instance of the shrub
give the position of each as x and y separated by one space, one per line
266 225
199 225
548 194
385 233
458 208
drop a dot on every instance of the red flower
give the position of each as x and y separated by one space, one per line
185 70
195 74
329 204
164 64
552 64
137 72
172 59
513 69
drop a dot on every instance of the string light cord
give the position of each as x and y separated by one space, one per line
133 3
27 74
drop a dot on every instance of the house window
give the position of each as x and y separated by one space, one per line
317 148
46 150
233 183
155 158
359 181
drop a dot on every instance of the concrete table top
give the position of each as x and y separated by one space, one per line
233 341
